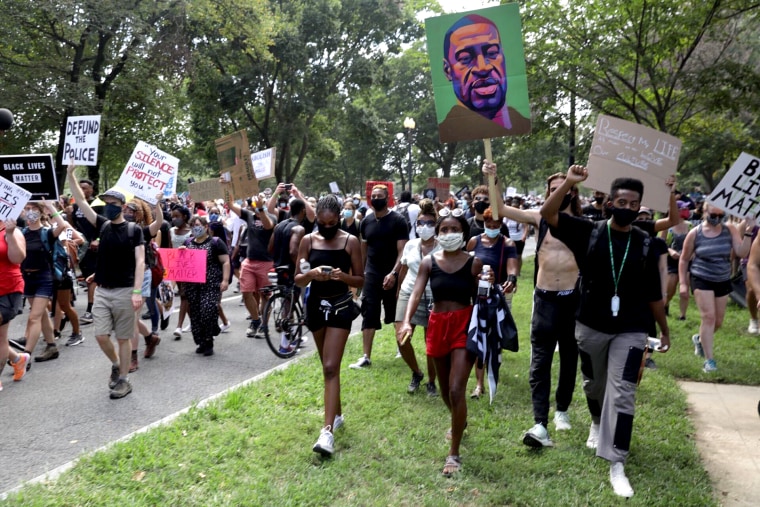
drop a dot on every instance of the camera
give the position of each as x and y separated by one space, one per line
288 186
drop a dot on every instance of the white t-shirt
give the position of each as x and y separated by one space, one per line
412 259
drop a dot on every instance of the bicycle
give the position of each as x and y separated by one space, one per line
282 313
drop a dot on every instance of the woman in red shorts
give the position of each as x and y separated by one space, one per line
453 276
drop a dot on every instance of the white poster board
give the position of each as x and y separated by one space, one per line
511 191
263 163
81 142
738 193
622 149
13 198
334 187
148 172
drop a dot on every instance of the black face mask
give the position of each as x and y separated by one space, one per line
624 216
481 206
327 232
566 201
111 211
379 204
599 199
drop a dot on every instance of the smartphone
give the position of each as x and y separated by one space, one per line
326 269
288 186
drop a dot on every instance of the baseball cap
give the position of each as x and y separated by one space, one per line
113 193
645 211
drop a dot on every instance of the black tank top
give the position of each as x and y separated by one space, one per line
457 286
335 258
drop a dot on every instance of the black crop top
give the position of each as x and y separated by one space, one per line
458 286
335 258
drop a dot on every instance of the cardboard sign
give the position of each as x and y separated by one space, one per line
235 164
468 104
263 163
738 193
622 149
206 190
33 173
184 265
148 171
442 186
13 198
389 184
81 142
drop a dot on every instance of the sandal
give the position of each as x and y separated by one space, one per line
476 393
453 465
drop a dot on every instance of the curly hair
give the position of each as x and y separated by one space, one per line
143 215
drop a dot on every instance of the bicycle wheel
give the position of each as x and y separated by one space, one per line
282 336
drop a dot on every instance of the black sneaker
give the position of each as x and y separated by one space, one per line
415 383
431 390
75 339
86 318
121 389
164 323
145 316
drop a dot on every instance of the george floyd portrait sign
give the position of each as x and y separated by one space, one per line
478 68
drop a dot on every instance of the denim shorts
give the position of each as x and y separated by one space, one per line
38 284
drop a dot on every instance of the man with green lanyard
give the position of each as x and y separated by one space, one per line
620 284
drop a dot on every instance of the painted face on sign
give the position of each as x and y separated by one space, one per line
474 63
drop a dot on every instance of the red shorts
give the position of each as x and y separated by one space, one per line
447 331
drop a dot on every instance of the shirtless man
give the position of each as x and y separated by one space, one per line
555 301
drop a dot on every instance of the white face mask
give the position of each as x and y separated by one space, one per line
32 216
451 242
426 232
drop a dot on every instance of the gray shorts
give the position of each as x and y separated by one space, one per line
420 317
112 311
10 304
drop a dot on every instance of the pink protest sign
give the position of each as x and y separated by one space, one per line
184 265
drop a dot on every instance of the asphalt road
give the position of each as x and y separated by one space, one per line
62 408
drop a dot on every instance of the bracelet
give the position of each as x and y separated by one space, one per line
137 291
747 235
56 214
512 278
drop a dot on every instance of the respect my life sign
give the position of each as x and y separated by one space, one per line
738 193
148 171
81 143
184 264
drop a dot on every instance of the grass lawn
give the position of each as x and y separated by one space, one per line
253 446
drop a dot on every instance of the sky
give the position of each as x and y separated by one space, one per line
463 5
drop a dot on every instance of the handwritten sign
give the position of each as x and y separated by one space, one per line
625 149
235 164
263 163
184 265
148 171
206 190
13 198
81 142
33 173
738 193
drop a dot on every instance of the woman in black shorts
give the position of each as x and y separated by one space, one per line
336 264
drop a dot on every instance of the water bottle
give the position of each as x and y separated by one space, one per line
305 266
484 286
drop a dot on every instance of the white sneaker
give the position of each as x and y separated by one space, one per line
362 363
753 327
178 332
324 445
619 481
338 422
224 328
562 421
186 328
593 436
537 436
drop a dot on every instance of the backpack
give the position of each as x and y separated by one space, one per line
403 210
58 257
154 263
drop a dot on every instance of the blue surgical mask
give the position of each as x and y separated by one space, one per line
198 230
492 233
347 213
111 211
214 217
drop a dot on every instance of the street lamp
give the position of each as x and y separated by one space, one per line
409 126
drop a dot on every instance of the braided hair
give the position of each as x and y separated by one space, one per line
329 203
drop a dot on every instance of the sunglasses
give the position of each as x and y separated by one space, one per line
480 198
422 223
456 212
716 216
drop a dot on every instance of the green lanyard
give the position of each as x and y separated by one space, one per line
616 276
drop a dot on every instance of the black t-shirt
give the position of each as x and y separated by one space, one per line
89 231
477 227
594 214
116 254
639 281
37 256
281 247
258 237
382 236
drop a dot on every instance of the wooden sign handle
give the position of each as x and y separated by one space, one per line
493 193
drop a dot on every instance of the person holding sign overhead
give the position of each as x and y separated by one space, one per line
706 255
620 282
119 276
204 298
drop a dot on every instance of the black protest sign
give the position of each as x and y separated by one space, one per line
33 173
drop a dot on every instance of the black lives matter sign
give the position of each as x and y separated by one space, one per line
33 173
738 193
